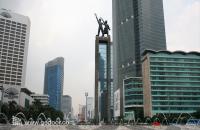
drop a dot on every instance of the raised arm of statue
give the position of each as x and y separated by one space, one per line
101 23
96 17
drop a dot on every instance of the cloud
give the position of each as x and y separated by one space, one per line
183 29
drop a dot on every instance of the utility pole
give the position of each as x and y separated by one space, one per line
86 95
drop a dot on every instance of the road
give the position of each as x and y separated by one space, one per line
107 127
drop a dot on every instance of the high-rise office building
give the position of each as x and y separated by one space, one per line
171 82
90 108
14 36
53 81
137 25
67 106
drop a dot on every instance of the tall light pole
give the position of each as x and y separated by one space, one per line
86 95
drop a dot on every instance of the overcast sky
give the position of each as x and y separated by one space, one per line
67 28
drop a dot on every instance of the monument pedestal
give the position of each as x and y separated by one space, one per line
102 79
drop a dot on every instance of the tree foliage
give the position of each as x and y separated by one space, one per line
12 108
196 114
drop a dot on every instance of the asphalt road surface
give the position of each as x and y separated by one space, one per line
105 127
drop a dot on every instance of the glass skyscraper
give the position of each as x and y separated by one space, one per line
53 81
171 82
137 25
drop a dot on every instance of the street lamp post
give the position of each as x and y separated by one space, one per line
86 95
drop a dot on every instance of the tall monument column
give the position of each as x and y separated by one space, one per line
102 72
102 79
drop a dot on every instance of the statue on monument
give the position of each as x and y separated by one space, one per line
106 28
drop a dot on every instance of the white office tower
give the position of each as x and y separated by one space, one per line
14 36
90 108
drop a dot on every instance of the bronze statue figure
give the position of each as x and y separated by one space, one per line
100 25
106 28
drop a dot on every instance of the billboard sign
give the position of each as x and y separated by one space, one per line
117 103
